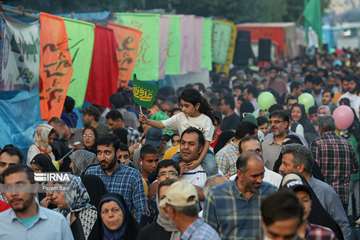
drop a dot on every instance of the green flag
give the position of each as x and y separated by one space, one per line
312 17
173 61
148 59
206 58
145 92
81 43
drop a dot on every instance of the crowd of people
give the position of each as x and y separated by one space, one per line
204 163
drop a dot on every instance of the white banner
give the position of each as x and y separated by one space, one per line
21 55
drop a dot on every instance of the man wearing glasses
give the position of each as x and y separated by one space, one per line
271 146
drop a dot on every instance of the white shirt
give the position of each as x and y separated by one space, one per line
196 177
354 101
269 177
181 122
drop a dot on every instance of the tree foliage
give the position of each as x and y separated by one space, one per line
236 10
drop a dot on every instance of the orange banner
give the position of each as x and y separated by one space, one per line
128 40
55 65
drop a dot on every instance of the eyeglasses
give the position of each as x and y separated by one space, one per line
88 135
113 210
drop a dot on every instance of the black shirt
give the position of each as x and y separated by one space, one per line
230 123
154 231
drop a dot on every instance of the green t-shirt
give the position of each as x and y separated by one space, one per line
28 222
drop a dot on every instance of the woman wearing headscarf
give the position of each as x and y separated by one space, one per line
42 163
74 204
301 125
80 160
115 221
162 228
41 143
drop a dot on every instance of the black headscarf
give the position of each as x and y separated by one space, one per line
44 162
95 187
128 230
224 139
310 133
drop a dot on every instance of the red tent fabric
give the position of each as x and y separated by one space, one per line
104 68
4 206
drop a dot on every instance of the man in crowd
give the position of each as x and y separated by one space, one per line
227 156
351 92
230 120
70 136
149 158
281 215
9 156
181 205
191 145
119 178
271 146
91 118
335 157
233 208
250 94
252 144
298 159
115 122
327 99
26 219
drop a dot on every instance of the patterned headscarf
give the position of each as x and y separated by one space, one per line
76 195
81 159
41 137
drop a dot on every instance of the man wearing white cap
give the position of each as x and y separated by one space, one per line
181 205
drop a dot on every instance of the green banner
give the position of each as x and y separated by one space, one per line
81 44
148 59
173 62
221 36
206 57
145 92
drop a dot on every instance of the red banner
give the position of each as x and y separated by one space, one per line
128 40
104 68
55 65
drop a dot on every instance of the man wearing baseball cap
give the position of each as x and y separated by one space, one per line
304 194
181 205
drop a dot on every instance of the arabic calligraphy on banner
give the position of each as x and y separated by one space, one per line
128 40
55 65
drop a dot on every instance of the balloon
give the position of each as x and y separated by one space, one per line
343 117
266 100
307 100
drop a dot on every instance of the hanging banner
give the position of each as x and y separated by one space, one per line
128 41
221 36
196 60
147 64
187 43
164 39
173 60
55 65
225 68
104 70
20 55
81 42
206 54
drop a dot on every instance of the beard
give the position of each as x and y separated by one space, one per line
109 166
21 205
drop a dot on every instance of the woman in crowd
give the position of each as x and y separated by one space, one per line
89 139
74 204
80 160
195 112
300 124
42 163
115 221
95 188
41 143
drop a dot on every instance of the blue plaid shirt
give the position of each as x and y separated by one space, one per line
199 230
127 182
234 217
